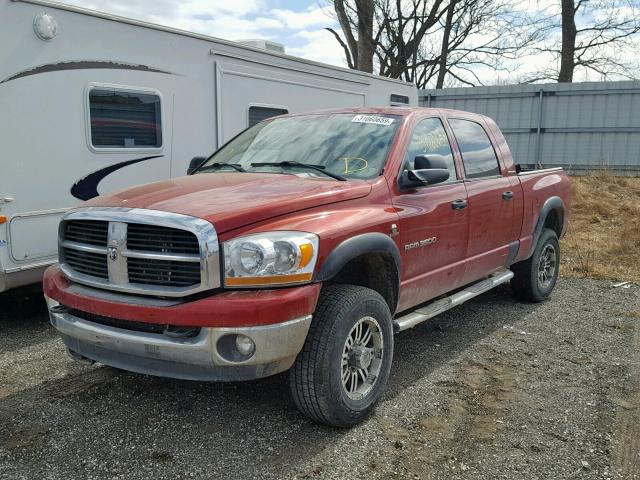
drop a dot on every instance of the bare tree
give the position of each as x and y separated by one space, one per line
444 49
356 17
569 32
427 41
404 26
389 30
474 36
594 36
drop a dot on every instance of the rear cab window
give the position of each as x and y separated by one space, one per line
478 156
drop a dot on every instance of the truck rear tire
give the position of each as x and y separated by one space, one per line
345 362
534 278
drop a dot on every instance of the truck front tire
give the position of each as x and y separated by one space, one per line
534 278
345 362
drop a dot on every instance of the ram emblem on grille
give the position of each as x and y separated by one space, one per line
113 253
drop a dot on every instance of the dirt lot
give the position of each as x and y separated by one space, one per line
493 389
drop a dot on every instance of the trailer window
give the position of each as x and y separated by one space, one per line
258 114
399 99
478 156
124 119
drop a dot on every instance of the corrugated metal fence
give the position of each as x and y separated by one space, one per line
580 126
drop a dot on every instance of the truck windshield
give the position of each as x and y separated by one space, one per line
346 145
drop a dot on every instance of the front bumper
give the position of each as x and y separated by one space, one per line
240 308
193 358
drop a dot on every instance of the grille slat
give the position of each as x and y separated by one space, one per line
161 271
84 267
164 272
88 263
151 238
91 232
95 263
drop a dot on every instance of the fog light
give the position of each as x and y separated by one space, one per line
245 345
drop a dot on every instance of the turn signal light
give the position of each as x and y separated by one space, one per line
306 251
3 219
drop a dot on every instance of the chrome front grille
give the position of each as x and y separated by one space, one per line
139 251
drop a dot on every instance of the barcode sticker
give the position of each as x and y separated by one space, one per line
375 119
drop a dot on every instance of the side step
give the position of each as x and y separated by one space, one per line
425 313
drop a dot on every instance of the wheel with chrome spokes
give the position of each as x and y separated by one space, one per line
534 278
362 358
547 266
345 362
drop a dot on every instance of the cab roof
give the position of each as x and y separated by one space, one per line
402 111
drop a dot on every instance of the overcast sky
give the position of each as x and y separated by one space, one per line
298 24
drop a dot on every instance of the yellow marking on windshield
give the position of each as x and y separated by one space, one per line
347 167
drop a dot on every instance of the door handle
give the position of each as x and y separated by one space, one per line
6 200
507 195
459 204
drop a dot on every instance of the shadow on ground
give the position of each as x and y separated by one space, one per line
23 318
22 305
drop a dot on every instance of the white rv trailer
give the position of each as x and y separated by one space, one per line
91 103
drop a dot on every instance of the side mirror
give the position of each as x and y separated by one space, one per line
195 163
428 170
427 162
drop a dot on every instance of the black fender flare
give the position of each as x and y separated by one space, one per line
551 204
372 242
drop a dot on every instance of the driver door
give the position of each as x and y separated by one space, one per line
433 221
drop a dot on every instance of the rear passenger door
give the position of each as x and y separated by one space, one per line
489 195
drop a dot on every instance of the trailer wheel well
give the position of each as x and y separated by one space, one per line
376 271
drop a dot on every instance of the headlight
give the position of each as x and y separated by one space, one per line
271 258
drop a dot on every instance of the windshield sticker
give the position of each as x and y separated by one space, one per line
374 119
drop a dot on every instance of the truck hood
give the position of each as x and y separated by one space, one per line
233 200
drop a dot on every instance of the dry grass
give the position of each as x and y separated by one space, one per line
603 240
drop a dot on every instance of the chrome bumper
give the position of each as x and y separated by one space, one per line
194 358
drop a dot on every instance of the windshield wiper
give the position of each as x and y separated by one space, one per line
290 163
219 165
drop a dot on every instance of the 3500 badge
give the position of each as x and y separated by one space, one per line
421 243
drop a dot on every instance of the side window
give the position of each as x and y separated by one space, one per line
124 119
258 114
429 138
397 99
478 155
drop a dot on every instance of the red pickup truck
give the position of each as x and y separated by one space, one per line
303 244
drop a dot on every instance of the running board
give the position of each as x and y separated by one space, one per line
425 313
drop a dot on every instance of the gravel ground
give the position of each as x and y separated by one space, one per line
495 388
